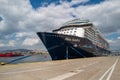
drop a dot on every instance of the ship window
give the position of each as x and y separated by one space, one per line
74 34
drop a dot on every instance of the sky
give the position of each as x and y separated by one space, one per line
21 19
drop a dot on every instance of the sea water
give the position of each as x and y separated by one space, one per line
23 59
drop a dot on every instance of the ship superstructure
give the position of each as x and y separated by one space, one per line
74 39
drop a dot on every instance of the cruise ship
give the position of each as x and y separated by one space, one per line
77 38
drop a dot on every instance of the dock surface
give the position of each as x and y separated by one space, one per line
95 68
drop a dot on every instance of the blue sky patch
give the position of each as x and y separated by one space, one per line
39 3
94 1
90 2
113 36
1 18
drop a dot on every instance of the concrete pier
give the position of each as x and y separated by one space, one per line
95 68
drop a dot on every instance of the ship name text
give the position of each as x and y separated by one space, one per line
72 39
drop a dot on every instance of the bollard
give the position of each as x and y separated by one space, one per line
2 63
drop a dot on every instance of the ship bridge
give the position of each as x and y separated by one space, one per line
75 23
74 27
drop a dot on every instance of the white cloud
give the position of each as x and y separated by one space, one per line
23 34
2 25
74 2
13 12
118 38
22 22
115 45
111 41
12 43
30 42
1 44
20 34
